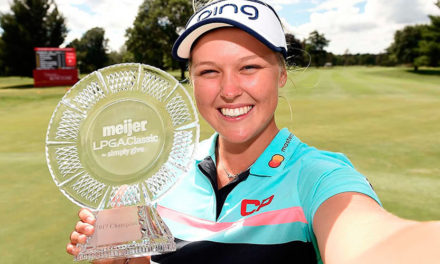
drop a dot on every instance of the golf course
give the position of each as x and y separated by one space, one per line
385 120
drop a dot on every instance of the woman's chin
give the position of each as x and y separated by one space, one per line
236 136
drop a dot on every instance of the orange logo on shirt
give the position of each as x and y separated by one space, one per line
276 161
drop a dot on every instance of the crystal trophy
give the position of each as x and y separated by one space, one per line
118 140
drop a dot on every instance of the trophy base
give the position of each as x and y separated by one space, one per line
127 232
129 250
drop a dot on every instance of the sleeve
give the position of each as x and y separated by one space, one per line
326 174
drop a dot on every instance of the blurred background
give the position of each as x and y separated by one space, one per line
364 79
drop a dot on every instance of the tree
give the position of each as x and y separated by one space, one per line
385 59
32 23
91 50
349 59
155 29
2 65
406 44
295 52
429 46
315 45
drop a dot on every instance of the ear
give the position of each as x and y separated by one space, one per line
283 77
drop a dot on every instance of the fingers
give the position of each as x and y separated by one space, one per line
77 238
84 228
72 249
86 225
86 216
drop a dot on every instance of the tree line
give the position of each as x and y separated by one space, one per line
38 23
414 46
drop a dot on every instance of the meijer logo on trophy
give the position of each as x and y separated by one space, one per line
123 135
127 127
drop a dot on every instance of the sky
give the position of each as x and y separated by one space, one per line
353 26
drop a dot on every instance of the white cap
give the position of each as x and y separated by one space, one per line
255 17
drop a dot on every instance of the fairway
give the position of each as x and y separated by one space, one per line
386 120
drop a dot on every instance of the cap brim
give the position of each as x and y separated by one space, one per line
182 47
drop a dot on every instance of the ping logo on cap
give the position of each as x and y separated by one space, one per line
248 10
276 161
253 16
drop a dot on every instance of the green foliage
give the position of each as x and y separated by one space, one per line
406 43
421 61
430 45
315 45
386 59
155 29
347 59
418 45
121 56
431 50
91 50
115 57
32 23
2 64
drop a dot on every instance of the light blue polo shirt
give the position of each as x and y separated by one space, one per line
274 205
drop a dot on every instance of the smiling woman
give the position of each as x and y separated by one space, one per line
255 193
237 86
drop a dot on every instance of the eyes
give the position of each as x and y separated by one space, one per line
212 72
250 67
207 72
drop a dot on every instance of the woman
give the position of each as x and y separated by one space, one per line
256 194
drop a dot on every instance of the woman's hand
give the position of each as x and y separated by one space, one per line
84 228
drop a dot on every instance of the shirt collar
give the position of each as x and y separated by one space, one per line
274 158
207 148
271 162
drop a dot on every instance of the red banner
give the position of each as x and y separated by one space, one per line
57 77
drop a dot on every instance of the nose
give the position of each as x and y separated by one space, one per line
230 86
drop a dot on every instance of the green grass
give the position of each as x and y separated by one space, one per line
386 120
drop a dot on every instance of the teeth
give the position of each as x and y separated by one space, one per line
236 111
